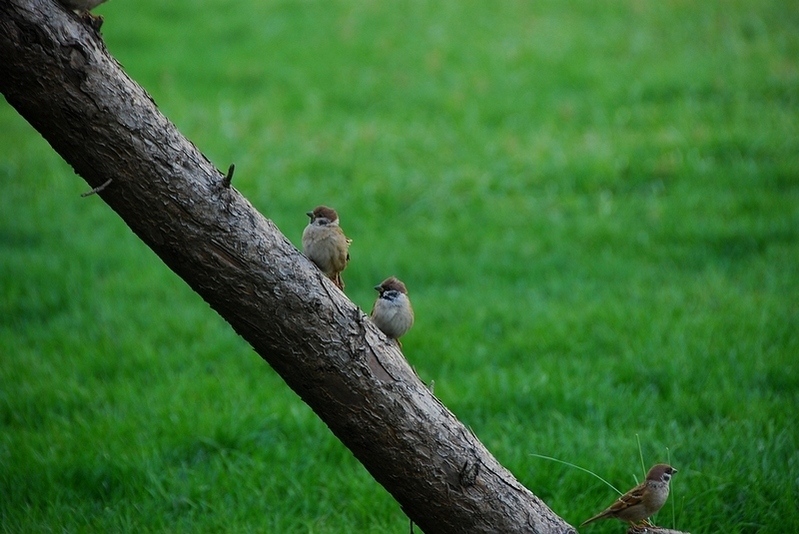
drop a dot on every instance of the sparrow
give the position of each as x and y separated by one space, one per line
392 312
643 500
325 244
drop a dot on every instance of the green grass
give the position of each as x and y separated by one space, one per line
595 207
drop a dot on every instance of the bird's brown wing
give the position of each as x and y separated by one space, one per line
629 499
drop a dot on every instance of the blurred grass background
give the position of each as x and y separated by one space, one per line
595 206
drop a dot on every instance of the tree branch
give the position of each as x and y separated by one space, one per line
59 76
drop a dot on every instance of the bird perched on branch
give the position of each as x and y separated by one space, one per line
392 312
642 501
325 244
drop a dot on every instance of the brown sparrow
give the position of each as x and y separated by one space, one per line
392 312
643 500
325 244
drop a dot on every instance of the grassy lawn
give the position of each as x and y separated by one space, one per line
595 207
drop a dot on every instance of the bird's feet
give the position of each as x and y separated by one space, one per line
95 21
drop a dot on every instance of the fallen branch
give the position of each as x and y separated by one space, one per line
57 73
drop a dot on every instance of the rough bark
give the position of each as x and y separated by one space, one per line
57 73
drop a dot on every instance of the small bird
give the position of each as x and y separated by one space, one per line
325 244
643 500
392 312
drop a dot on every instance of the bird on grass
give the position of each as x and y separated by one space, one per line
641 502
392 312
325 244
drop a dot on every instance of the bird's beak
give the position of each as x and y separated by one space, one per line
377 288
309 214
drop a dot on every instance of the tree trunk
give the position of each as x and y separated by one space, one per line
57 73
